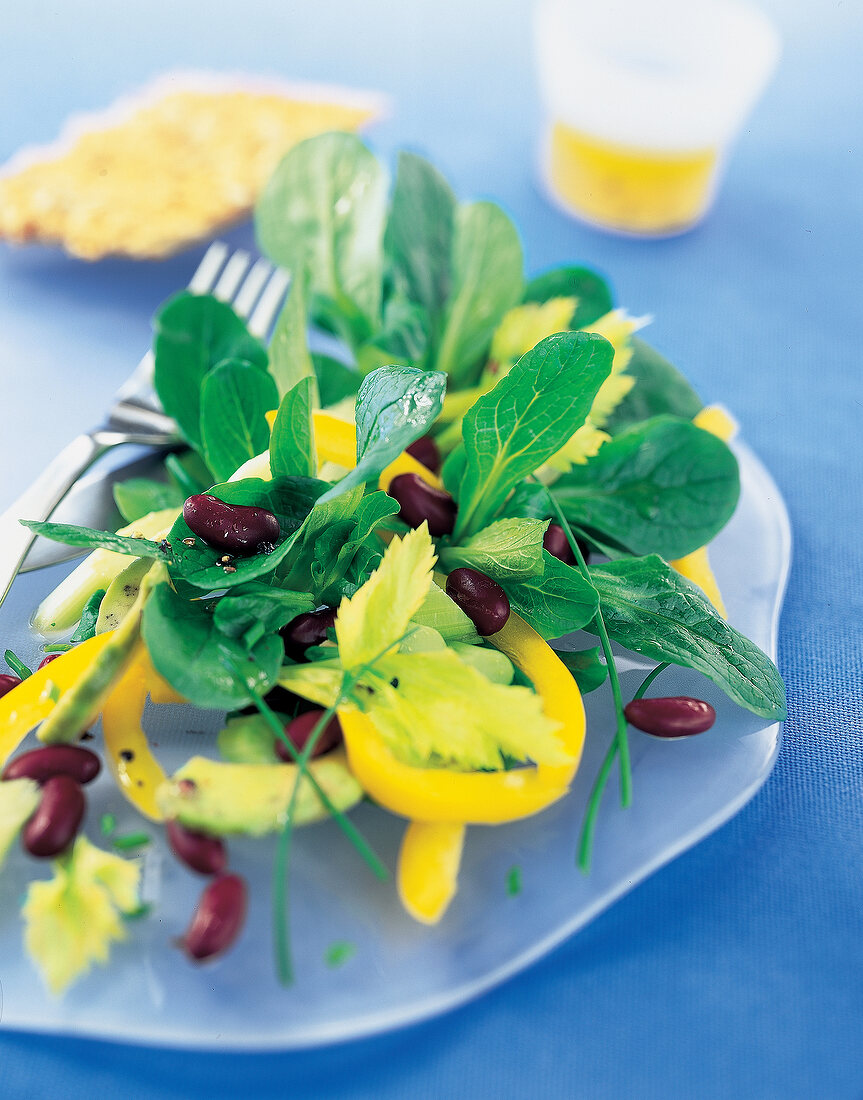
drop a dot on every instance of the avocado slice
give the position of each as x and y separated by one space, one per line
252 799
122 592
247 739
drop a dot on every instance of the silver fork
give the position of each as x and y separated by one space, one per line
136 415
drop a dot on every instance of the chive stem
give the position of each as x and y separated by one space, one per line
649 678
620 744
342 820
17 665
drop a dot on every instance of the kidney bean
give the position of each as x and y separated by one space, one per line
420 502
556 543
218 919
232 528
42 764
54 825
673 716
307 630
199 851
425 450
7 682
46 660
480 598
300 730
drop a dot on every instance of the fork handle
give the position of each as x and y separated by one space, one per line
39 501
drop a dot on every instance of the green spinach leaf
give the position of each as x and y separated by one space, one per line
593 296
487 281
253 610
556 602
527 417
189 650
292 444
86 628
419 236
290 359
587 667
662 487
659 388
508 548
140 495
395 406
193 333
323 212
235 396
336 381
92 539
651 609
338 546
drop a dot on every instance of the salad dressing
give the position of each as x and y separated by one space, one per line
627 188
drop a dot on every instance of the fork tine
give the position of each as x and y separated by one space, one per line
270 302
251 288
209 267
230 278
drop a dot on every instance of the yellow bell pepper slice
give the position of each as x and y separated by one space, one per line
428 867
136 770
717 420
30 703
480 798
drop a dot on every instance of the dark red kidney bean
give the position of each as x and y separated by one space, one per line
673 716
199 851
54 825
42 764
421 503
307 630
300 730
480 598
7 682
425 450
218 919
48 659
232 528
556 543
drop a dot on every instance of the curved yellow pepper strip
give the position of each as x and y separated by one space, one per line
30 703
429 861
479 798
136 770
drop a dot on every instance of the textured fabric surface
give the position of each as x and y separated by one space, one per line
737 970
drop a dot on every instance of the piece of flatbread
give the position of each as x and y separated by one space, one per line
173 166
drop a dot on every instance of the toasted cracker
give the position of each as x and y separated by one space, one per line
174 166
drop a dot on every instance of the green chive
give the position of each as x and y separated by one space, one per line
513 881
131 840
17 665
107 824
340 952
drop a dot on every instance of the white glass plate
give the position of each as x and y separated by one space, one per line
402 972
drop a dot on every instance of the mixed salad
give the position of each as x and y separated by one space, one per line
378 524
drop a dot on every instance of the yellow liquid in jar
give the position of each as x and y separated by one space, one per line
630 189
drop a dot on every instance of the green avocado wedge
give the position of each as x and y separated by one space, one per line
252 799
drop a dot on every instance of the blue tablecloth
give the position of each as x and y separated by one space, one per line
737 970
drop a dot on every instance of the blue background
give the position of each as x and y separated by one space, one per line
738 970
